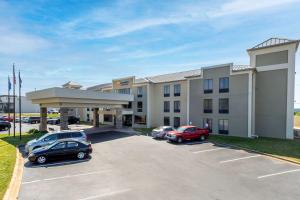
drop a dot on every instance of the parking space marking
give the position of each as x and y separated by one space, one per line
67 176
59 163
279 173
106 194
209 150
242 158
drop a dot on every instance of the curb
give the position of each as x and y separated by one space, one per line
12 191
255 151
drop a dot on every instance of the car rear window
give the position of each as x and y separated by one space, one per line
76 134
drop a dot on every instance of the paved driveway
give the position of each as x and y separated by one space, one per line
125 166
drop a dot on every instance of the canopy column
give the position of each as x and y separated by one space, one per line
43 115
119 122
64 119
96 117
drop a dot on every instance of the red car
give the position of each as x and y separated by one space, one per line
187 133
5 118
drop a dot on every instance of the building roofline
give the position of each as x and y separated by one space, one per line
275 45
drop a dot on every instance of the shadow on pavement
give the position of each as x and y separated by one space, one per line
56 163
107 136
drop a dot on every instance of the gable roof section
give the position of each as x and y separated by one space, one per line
274 42
178 76
100 86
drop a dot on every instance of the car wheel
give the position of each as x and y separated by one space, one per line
6 128
80 155
202 137
41 159
180 140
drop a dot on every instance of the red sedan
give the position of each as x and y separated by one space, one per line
187 133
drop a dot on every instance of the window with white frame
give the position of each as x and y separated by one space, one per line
208 86
166 90
223 126
177 88
140 92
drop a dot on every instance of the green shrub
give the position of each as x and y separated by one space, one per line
33 131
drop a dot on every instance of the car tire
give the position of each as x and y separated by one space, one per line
202 137
80 155
41 159
179 140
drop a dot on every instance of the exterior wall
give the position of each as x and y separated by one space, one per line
157 106
27 106
270 110
273 58
134 105
237 95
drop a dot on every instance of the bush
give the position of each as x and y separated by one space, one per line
43 132
33 131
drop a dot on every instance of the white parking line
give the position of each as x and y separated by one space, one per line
242 158
59 163
106 194
209 150
67 176
279 173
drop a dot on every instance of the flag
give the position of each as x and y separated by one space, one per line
9 84
20 80
14 75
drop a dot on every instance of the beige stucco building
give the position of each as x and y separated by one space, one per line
238 100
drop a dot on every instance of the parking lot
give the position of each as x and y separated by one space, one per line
127 166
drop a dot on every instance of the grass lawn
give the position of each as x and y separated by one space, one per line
287 149
8 146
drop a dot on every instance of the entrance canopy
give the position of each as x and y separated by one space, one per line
71 98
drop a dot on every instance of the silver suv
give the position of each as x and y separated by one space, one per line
50 138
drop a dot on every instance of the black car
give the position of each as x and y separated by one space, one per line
4 125
71 120
61 149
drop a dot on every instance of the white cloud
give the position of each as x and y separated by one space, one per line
18 43
246 6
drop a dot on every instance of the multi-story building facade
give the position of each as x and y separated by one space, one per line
239 100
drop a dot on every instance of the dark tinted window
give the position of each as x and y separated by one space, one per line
64 135
72 144
60 145
50 138
76 134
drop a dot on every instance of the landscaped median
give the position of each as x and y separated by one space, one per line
8 145
280 148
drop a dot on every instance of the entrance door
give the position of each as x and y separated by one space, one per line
127 120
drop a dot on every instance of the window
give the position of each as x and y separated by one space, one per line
224 105
208 86
76 134
140 92
177 88
207 105
166 106
176 122
140 106
124 91
60 145
166 121
224 85
166 90
50 138
176 106
139 119
207 123
108 118
88 117
72 144
88 109
223 126
64 135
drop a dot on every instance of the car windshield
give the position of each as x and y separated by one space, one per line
181 129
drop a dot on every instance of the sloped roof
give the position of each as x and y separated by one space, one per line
273 42
100 86
178 76
241 67
71 83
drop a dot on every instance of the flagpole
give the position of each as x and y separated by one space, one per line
20 108
8 101
14 98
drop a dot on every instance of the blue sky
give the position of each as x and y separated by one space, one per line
92 42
